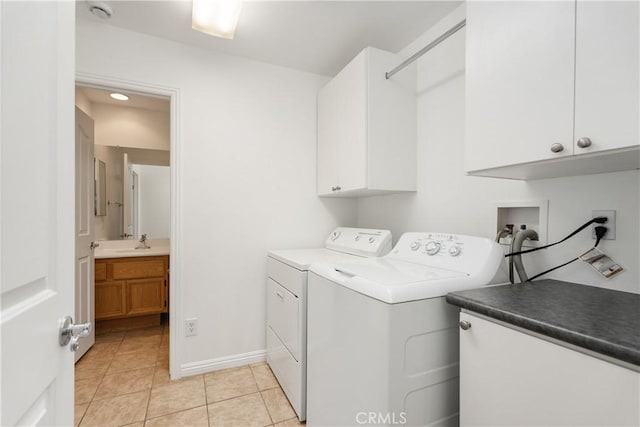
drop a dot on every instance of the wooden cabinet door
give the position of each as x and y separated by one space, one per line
137 269
519 82
110 300
100 271
607 73
145 296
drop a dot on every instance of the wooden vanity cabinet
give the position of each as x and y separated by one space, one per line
127 287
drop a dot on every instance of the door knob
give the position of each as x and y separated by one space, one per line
93 245
557 147
584 142
70 333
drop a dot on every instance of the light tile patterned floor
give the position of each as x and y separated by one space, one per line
124 381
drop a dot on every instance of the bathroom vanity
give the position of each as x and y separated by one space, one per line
131 287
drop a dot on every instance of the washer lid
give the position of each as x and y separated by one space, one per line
390 272
396 281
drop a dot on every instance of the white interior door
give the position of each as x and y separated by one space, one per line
37 210
85 191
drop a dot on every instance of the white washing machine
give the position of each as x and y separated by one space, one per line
382 343
287 302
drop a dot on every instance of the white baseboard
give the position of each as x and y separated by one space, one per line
204 366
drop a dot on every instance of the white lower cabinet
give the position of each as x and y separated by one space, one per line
512 378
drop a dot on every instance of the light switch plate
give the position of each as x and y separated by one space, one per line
610 224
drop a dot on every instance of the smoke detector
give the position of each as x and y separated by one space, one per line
100 9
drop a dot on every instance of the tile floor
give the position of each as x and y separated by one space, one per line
124 381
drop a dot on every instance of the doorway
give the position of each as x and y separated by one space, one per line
114 226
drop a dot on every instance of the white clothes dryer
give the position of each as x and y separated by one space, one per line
287 302
382 343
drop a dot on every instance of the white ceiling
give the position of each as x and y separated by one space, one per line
101 96
316 36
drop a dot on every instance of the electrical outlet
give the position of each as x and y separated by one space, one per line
610 224
191 327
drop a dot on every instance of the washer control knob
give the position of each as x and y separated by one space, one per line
455 250
414 245
372 239
432 248
357 237
335 235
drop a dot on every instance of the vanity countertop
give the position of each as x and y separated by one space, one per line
127 248
601 320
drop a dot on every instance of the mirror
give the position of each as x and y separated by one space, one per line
152 206
147 204
100 187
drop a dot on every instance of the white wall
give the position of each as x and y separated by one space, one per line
83 102
130 127
246 176
154 202
449 201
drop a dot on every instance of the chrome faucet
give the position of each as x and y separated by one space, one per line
143 243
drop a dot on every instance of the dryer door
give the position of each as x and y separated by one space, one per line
283 316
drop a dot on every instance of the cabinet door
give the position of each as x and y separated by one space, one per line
110 300
100 273
512 378
327 153
607 74
139 268
145 296
342 129
519 82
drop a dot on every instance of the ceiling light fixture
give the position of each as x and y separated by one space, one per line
119 96
216 17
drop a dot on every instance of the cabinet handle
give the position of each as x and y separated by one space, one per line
584 142
557 147
465 325
338 188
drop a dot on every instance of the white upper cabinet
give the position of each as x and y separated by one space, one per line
367 129
607 74
551 88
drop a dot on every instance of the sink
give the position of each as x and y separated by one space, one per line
127 248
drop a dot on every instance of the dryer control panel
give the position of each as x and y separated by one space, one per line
360 241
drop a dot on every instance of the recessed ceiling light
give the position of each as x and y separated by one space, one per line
119 96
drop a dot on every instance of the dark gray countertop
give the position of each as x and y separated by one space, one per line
602 320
